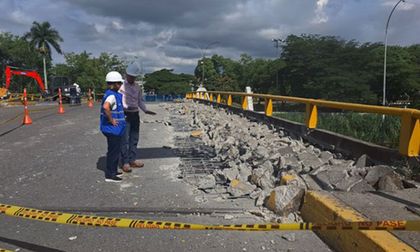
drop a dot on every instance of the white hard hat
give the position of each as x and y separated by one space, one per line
114 76
133 70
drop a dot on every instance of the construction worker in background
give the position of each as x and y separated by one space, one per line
132 101
112 125
78 90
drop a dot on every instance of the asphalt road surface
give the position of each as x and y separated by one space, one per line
57 163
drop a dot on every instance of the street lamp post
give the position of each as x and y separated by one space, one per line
203 56
386 41
202 72
276 45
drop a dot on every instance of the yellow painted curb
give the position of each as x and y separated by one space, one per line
323 207
287 178
196 133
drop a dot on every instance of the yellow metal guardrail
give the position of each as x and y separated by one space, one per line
409 143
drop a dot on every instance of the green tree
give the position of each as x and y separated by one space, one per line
88 71
166 82
42 37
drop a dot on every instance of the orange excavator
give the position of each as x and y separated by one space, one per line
10 71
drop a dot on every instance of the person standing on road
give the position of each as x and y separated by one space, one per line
112 125
132 101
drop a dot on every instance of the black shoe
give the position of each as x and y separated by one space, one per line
113 179
119 174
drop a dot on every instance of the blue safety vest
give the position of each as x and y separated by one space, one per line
117 114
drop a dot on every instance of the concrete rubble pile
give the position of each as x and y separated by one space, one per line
271 167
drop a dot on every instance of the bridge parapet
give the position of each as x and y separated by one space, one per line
409 140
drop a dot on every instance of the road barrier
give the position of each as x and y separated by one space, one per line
99 221
26 119
409 143
60 102
90 100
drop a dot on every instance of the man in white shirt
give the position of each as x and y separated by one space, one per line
132 101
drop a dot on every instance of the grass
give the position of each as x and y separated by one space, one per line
367 127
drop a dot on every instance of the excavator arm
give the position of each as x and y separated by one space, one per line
30 73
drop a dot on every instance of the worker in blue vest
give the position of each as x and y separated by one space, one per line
112 125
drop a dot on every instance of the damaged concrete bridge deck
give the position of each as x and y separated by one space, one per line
202 165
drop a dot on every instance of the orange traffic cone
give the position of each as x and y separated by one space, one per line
90 103
60 106
26 119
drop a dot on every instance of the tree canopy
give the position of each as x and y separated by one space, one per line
166 82
323 67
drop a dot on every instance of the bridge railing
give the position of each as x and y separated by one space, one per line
409 140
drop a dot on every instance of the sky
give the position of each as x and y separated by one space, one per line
175 34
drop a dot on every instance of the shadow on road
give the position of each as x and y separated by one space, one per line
142 153
28 246
10 130
155 152
101 164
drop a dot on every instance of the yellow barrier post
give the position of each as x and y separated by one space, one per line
229 100
268 107
409 135
245 102
211 97
311 115
219 98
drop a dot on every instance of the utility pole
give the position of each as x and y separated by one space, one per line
276 45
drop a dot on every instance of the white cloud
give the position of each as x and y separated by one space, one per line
321 16
117 25
158 34
100 28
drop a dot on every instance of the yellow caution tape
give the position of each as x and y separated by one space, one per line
98 221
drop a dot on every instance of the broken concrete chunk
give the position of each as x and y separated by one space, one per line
196 133
290 162
364 161
262 178
202 182
261 198
362 186
330 178
285 199
347 183
285 151
292 178
244 172
261 152
374 173
358 171
231 173
326 156
390 182
238 188
310 160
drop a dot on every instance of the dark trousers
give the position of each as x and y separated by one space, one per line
113 155
131 137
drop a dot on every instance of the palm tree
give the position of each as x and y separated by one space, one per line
42 36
